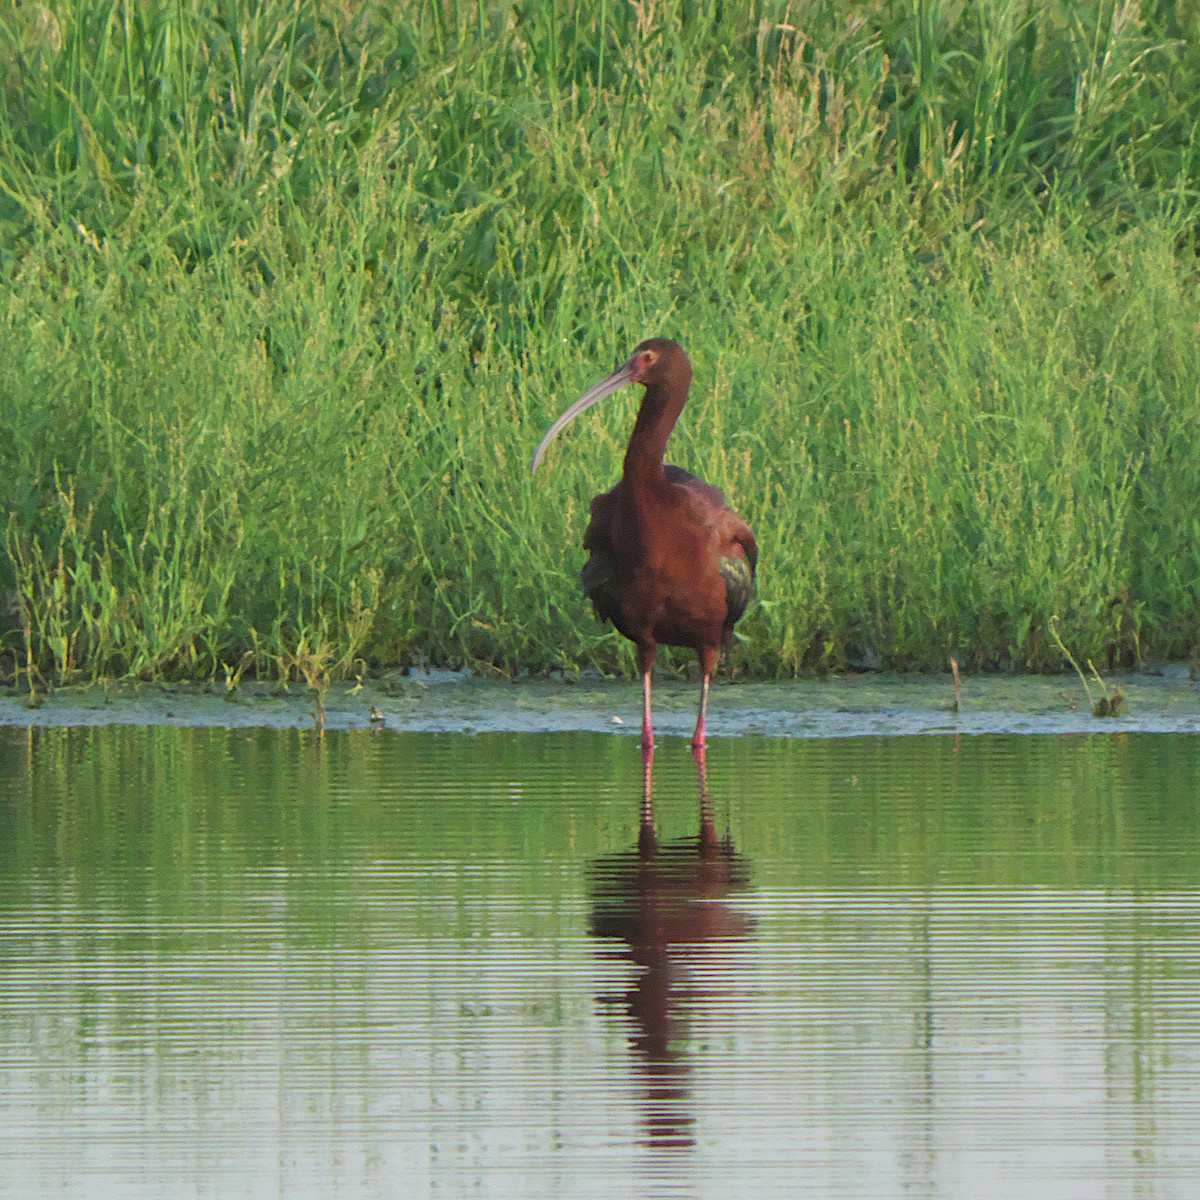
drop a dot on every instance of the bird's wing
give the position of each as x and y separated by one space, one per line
705 491
599 573
737 569
733 528
739 588
742 535
597 538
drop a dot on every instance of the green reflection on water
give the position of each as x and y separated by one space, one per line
162 805
252 955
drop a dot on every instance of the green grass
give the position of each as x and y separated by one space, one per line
291 291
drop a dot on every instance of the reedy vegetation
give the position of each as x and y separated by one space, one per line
292 289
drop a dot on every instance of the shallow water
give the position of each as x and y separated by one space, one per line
251 962
1162 699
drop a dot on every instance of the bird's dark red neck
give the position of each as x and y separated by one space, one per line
661 406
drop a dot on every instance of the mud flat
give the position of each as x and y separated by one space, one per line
1160 700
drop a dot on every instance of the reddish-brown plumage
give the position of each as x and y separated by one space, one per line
669 562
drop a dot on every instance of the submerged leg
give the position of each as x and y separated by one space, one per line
645 660
708 664
708 828
647 839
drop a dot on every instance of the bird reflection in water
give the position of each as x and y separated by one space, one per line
660 904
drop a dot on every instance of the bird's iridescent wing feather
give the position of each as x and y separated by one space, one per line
739 587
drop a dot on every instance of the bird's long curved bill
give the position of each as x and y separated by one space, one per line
592 396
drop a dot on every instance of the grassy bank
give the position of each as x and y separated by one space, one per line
292 290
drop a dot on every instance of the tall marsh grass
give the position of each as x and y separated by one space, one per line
292 288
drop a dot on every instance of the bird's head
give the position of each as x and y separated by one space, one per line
655 361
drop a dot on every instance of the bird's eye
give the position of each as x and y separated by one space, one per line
648 359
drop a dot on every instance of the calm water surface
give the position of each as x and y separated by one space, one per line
254 963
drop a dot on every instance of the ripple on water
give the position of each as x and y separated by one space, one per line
252 962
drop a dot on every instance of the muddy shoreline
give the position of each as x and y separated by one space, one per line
1159 700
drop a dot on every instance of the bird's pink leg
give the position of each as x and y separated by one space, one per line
698 741
645 659
708 664
647 727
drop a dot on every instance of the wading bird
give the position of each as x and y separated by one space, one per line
670 563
